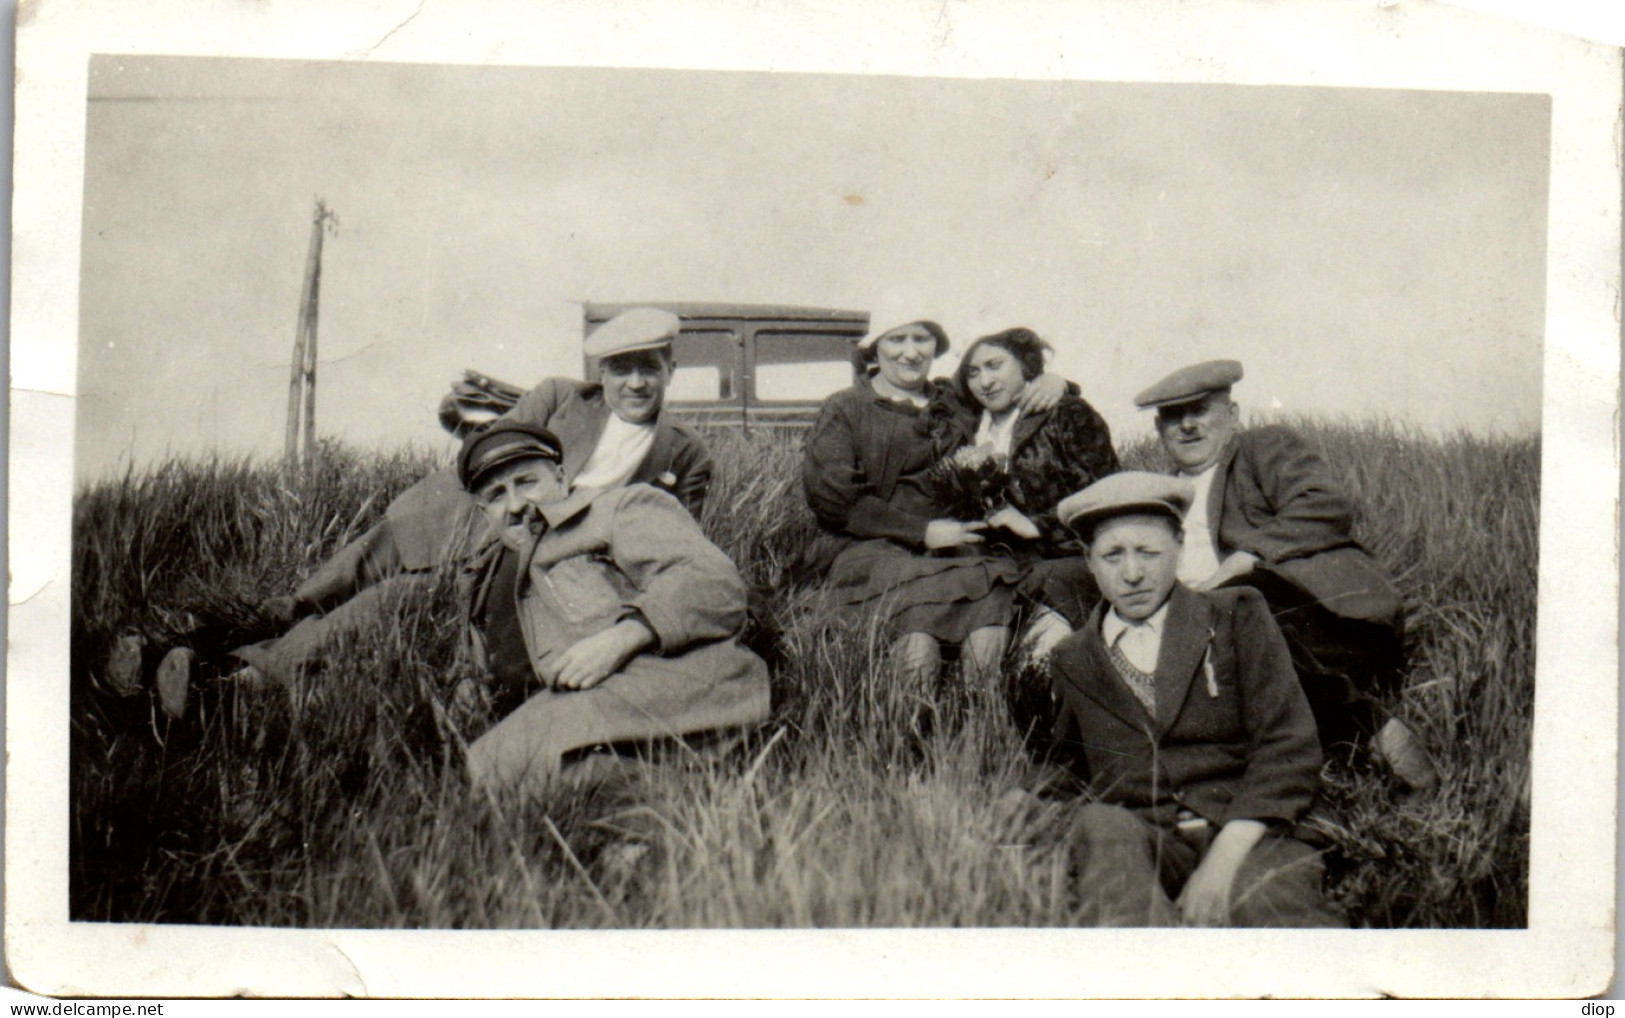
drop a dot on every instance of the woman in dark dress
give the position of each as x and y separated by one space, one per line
887 545
1046 455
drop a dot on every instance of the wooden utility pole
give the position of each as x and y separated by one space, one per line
302 371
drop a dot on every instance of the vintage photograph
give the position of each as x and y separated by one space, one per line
868 585
645 498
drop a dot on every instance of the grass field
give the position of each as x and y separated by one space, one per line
344 805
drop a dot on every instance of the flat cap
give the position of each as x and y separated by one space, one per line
490 449
1190 383
1131 491
634 329
937 332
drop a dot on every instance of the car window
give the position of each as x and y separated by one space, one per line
801 366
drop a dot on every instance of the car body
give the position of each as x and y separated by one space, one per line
769 365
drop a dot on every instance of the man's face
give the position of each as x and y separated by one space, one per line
1134 559
513 497
635 383
1195 433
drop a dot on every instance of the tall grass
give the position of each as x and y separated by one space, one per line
867 802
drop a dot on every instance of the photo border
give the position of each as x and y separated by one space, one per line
1568 947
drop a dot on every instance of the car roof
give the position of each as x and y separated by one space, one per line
692 310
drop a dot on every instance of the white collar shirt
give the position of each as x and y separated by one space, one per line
996 433
620 450
1199 557
1139 642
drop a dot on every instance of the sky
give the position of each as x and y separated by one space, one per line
1364 252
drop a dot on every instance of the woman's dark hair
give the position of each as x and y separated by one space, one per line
1025 345
864 362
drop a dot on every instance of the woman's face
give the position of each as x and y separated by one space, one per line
904 356
994 376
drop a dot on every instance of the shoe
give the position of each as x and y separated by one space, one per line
123 671
247 677
1398 747
174 680
282 610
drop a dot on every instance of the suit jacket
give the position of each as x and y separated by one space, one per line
433 521
1233 737
1273 496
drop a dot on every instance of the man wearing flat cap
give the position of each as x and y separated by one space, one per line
1268 513
614 434
603 615
1181 710
614 431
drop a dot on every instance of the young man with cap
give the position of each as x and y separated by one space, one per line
604 614
1184 715
615 433
1268 513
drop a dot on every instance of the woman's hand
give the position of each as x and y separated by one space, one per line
1013 520
952 533
1042 393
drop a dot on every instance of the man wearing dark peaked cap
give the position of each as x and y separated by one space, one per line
613 428
614 433
1269 514
603 616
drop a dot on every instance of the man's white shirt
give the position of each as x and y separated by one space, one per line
615 458
1199 558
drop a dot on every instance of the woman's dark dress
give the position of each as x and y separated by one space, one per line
864 461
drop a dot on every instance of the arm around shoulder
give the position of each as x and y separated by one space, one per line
540 404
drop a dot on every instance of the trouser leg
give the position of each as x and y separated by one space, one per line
1339 661
1280 884
369 559
1064 586
284 657
1122 865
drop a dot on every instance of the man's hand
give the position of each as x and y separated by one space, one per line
1042 393
1205 899
952 533
1237 563
1013 520
587 662
521 531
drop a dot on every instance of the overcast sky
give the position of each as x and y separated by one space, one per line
1363 252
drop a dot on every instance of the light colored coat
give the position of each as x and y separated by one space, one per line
606 556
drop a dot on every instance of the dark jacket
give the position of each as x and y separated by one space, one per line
1275 497
857 456
1233 737
1053 454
